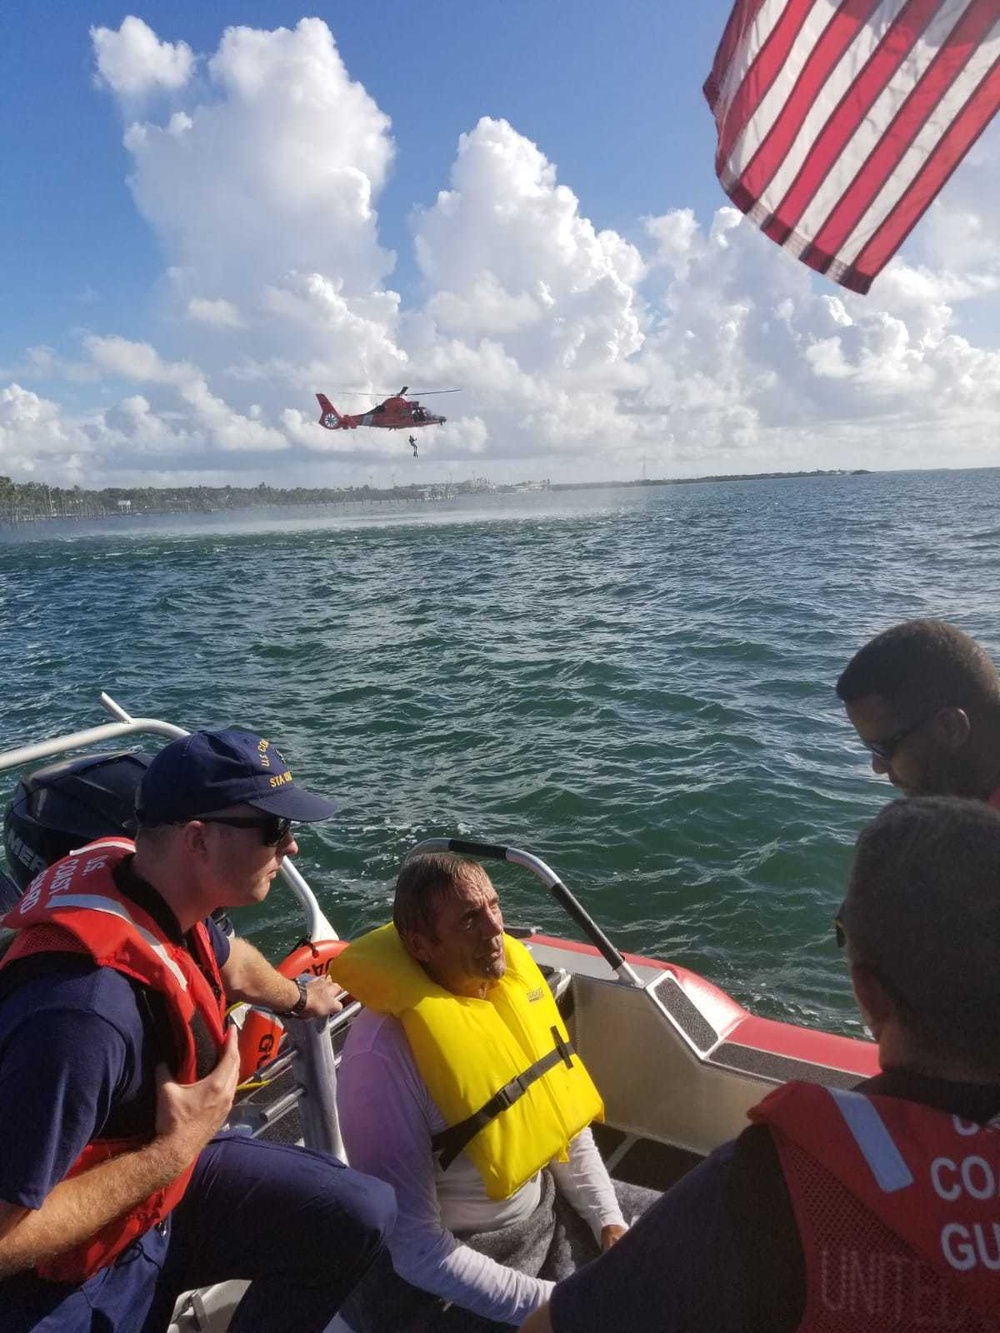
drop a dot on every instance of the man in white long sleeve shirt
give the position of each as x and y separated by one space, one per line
464 1258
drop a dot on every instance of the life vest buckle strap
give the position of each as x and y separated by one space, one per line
450 1142
565 1048
509 1093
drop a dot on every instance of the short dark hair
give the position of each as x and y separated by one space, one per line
423 883
923 912
921 666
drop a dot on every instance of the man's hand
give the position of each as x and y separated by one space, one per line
610 1235
77 1208
188 1115
324 998
249 977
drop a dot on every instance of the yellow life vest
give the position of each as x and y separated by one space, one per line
467 1050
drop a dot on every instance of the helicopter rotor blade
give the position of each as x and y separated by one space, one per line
388 393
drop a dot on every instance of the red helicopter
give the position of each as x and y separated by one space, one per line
395 413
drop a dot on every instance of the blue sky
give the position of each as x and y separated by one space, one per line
580 79
684 341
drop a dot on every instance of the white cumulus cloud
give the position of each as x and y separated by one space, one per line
272 169
507 250
220 313
133 62
691 343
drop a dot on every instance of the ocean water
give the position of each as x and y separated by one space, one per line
634 684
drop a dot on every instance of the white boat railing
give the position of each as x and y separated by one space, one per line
625 973
313 1060
573 908
317 925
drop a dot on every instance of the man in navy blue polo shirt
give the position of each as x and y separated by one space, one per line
116 1073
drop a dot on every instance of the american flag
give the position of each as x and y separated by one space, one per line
838 123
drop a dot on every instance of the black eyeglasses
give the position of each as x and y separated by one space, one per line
274 829
839 933
884 750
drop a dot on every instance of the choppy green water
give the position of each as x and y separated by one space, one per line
634 684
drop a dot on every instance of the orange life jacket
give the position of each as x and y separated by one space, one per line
897 1207
76 907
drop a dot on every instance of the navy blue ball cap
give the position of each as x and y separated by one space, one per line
210 771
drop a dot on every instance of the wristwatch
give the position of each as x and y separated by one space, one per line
300 1003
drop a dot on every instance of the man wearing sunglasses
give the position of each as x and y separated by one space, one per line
116 1072
924 699
874 1208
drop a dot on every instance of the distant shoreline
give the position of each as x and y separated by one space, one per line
34 502
723 476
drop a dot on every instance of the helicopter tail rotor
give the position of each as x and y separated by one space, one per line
329 416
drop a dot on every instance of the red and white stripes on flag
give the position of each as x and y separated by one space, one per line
840 120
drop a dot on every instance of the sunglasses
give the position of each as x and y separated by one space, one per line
273 829
839 934
885 750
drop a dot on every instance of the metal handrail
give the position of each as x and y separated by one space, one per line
318 927
625 972
570 905
312 1051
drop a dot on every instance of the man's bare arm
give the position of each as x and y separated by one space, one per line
74 1210
539 1322
248 976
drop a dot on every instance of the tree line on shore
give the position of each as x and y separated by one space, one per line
26 502
32 501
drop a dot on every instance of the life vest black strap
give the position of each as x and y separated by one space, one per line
450 1142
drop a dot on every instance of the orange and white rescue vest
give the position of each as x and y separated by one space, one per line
897 1207
76 907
